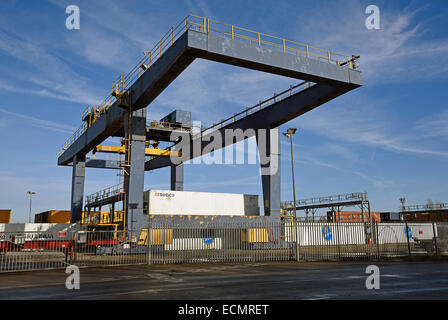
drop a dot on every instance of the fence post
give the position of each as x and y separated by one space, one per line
407 238
75 247
377 240
338 238
435 238
296 231
148 244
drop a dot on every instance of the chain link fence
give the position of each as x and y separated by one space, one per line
194 242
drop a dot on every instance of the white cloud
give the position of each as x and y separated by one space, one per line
397 53
44 124
434 126
361 123
54 77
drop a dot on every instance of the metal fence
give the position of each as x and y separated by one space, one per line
194 242
26 251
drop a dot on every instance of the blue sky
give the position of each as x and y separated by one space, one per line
388 138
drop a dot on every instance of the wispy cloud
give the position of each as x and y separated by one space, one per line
112 35
397 53
434 126
54 77
43 124
375 181
359 123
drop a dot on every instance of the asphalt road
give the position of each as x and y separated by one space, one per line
255 281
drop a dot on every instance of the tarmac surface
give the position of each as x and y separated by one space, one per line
254 281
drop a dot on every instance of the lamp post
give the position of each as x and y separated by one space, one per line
30 193
289 134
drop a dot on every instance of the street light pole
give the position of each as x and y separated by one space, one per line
289 134
30 193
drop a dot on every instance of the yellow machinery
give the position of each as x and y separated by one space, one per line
157 237
148 151
253 235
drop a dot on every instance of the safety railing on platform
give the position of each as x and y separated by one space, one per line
265 40
105 194
170 126
428 207
200 24
102 218
357 196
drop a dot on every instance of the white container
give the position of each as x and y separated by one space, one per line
163 202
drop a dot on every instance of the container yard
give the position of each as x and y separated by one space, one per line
189 160
124 224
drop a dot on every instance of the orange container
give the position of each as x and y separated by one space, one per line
5 215
53 216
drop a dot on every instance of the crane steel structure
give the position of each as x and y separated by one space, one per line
335 203
325 75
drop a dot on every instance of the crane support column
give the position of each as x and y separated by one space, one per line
134 181
269 149
177 177
78 178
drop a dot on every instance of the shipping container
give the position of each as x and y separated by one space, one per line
432 216
162 202
331 233
53 216
352 216
390 217
5 215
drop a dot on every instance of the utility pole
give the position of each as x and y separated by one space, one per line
30 193
289 134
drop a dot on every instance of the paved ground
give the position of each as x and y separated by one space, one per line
399 280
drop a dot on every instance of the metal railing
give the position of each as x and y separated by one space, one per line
102 218
248 111
195 242
26 251
258 107
265 40
357 196
432 206
205 25
105 194
169 125
219 242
